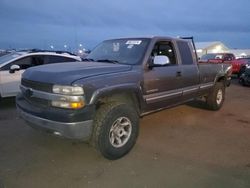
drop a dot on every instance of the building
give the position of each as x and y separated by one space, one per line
218 47
210 47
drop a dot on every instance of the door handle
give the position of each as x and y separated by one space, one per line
178 73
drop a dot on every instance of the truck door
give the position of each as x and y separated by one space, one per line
162 84
189 71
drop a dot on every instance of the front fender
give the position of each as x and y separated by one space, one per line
119 89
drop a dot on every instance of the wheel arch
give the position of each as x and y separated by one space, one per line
221 78
126 93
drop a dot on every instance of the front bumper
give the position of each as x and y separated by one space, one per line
75 130
73 124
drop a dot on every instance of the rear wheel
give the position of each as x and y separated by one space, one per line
116 128
216 98
241 81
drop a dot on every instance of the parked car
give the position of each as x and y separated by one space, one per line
217 58
14 64
245 77
224 58
239 64
244 65
101 100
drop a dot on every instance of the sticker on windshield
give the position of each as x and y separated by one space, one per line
130 46
133 42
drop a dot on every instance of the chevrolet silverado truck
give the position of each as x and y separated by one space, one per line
101 99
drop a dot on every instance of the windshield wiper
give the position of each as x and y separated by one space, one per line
108 61
87 59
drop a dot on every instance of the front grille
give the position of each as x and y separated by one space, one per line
37 101
37 85
45 87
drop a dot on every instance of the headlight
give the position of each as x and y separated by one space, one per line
71 97
68 90
69 105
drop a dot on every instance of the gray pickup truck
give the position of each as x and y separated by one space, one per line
101 99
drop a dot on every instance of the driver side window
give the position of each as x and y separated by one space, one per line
24 63
164 49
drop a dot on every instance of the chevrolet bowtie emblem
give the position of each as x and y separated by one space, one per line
29 92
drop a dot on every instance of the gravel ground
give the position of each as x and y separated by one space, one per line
186 146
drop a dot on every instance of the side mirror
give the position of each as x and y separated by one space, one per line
14 68
161 60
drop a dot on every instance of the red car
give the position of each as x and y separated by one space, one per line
237 64
217 58
225 58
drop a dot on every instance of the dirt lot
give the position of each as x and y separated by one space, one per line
185 146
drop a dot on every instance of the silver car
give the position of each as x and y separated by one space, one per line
14 64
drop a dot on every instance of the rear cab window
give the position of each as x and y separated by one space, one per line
229 57
187 57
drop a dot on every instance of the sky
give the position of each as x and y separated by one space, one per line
40 24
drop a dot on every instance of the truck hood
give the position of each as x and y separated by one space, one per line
66 73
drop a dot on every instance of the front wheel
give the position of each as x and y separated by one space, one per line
116 128
216 98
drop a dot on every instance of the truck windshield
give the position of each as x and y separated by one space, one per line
9 57
122 51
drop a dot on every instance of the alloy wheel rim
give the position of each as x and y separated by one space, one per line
120 132
219 96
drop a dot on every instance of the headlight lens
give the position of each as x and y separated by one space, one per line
68 90
71 97
69 105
